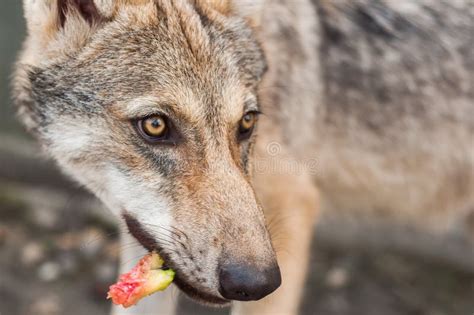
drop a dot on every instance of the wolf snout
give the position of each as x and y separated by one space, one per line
244 282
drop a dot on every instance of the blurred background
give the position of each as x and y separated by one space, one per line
59 248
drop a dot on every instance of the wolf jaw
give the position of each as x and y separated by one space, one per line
149 242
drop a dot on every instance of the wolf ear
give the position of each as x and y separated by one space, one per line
251 10
57 27
42 15
87 9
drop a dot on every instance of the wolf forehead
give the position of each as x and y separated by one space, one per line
124 60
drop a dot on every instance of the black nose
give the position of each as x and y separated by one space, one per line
248 283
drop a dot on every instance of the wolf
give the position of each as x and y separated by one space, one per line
180 115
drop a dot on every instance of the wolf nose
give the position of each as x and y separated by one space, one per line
247 283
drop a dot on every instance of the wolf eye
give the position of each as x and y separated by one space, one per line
246 126
153 128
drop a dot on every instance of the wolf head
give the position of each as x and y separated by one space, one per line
152 106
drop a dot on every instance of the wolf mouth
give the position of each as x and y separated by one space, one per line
150 244
196 294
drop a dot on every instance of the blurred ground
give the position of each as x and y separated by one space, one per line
59 249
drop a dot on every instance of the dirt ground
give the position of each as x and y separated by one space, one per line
59 254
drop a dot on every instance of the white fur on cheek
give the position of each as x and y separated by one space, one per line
69 137
69 141
121 193
147 206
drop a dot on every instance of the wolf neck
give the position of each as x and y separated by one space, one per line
293 87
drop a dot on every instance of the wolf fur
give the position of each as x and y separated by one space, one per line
378 92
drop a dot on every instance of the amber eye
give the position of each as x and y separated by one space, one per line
247 125
153 127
